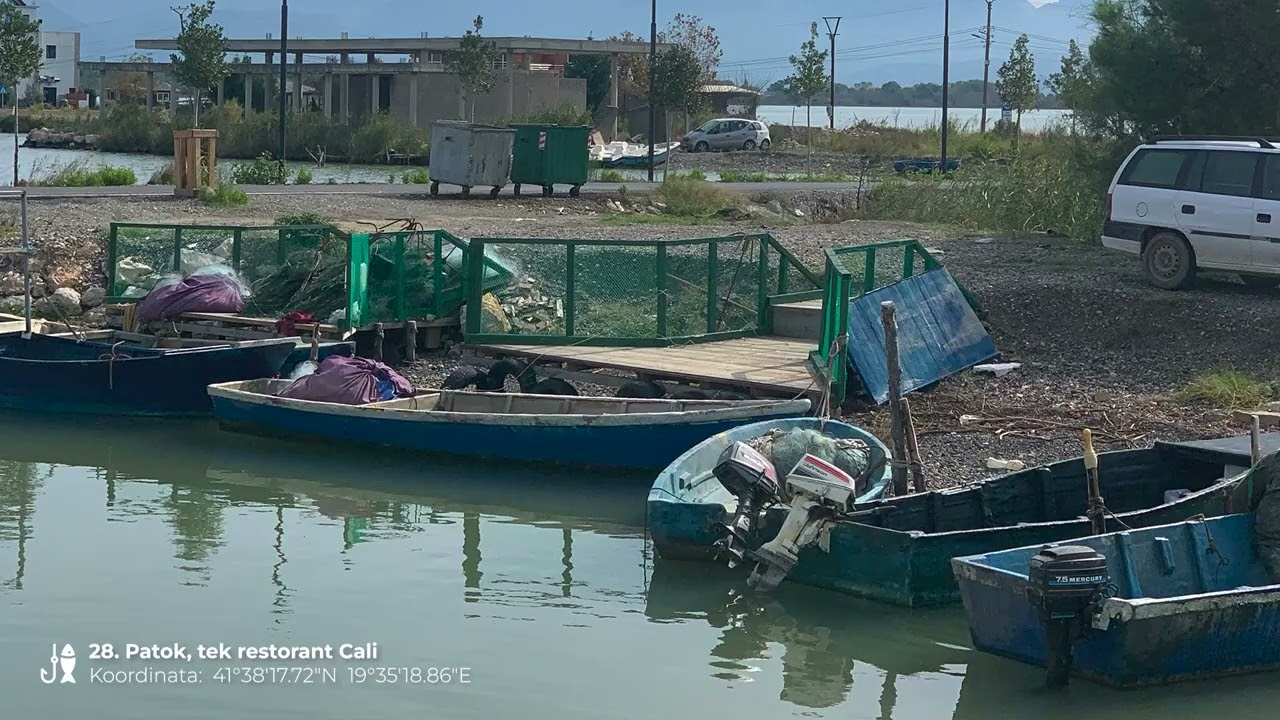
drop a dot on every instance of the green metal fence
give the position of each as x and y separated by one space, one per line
647 293
854 271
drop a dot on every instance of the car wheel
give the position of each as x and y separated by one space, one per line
749 145
1169 262
1260 281
701 147
764 144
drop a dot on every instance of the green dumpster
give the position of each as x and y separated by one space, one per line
550 155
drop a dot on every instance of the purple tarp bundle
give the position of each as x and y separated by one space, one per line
206 290
350 381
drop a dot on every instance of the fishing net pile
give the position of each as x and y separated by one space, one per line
785 448
1266 517
214 288
349 381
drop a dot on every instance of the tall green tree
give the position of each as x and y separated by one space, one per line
809 77
201 60
595 69
1016 80
677 85
472 63
20 58
1070 84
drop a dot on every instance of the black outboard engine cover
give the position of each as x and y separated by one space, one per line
1067 584
751 478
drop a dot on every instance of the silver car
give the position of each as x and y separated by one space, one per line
727 134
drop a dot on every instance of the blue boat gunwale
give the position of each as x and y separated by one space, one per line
404 409
143 353
876 485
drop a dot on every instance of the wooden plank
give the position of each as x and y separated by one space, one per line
208 330
232 318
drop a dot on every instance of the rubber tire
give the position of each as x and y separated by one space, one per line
702 147
1165 247
435 189
515 189
1260 282
749 145
575 191
764 145
466 191
494 192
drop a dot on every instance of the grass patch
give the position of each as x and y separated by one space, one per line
79 174
742 176
688 197
652 219
418 176
162 175
1227 389
303 177
226 195
610 175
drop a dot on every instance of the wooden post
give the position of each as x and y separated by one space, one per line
378 336
913 449
896 429
315 343
1255 440
411 340
1097 508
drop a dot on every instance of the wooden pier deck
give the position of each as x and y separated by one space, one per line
771 366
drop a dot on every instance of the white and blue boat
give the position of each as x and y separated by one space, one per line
1188 601
621 433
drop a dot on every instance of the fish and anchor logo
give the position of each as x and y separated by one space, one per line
66 661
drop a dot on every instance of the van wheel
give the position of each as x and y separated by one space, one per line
1169 262
749 145
1259 281
701 147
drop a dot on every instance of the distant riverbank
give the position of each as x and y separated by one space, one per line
907 117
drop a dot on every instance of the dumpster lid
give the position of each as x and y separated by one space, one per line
474 127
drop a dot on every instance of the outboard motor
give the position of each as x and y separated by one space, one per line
751 478
820 493
1067 584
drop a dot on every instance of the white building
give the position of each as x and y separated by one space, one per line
60 72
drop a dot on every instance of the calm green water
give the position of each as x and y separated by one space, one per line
535 582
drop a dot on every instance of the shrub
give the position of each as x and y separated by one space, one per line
225 195
743 176
566 114
79 174
162 175
610 176
687 197
1227 389
303 177
307 218
417 176
264 170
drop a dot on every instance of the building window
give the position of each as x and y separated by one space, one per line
435 57
50 52
500 62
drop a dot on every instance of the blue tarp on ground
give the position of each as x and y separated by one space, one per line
938 333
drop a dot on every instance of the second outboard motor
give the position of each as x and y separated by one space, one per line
1067 584
751 478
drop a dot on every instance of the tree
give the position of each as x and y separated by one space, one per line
472 62
1071 83
677 85
1016 80
596 71
701 39
20 58
201 58
808 79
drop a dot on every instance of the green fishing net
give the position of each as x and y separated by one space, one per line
785 448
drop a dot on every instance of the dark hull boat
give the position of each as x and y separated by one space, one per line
48 373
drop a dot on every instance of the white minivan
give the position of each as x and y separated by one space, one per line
1182 203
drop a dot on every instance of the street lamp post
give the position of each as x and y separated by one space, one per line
653 66
284 69
833 29
946 67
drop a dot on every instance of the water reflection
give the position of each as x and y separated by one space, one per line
19 484
823 636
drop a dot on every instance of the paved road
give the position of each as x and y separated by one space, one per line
446 191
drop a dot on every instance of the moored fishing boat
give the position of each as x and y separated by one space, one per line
98 374
1187 601
597 432
899 550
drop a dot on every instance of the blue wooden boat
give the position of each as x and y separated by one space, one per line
688 506
96 374
597 432
900 550
641 159
1192 601
925 164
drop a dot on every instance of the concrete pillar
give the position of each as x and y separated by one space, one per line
413 99
151 90
297 83
222 90
613 93
344 58
102 94
371 58
328 95
271 57
247 87
374 100
346 96
511 87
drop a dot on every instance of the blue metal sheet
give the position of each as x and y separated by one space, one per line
938 333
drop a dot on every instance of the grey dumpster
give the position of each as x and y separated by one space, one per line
470 155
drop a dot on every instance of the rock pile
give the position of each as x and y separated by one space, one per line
45 138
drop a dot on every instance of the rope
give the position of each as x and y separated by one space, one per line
111 363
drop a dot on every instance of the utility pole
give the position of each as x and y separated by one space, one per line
833 29
653 66
284 68
946 68
986 68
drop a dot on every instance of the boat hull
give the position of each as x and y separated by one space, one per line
1153 640
70 377
570 440
909 562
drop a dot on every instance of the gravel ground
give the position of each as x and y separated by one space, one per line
774 162
1099 346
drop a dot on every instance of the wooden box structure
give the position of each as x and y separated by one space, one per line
195 161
